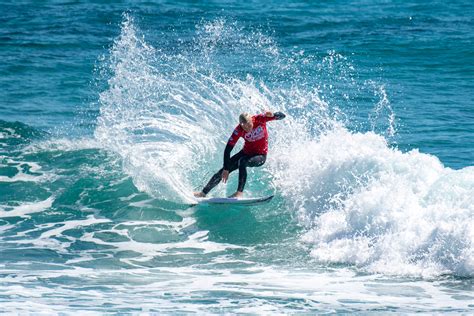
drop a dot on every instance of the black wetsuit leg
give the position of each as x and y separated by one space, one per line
248 161
216 178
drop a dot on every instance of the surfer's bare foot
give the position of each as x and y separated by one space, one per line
199 194
237 195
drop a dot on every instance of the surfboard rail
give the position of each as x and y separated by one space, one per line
233 201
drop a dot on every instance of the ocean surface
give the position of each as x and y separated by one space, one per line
112 114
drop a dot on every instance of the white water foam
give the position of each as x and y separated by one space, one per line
6 133
25 209
34 171
52 231
378 208
200 290
61 144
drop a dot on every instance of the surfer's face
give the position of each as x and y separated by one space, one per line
247 126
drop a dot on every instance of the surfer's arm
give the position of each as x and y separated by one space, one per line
236 134
227 151
270 116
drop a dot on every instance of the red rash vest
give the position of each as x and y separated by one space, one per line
256 141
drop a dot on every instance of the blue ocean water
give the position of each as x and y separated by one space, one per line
112 114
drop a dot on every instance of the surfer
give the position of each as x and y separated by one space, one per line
253 129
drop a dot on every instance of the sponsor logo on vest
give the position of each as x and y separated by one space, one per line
255 134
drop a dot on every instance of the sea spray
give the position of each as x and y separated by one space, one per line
169 116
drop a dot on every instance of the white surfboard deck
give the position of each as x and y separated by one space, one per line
234 201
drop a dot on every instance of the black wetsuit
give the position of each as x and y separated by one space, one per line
240 161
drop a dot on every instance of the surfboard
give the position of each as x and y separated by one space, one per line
235 201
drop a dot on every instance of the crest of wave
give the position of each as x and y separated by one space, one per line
375 207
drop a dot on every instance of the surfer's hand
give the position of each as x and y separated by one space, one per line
279 115
269 114
225 175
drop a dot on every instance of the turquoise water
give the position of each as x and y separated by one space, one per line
110 115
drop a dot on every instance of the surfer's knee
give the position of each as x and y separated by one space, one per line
243 162
261 160
256 161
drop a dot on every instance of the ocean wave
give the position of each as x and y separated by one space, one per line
362 201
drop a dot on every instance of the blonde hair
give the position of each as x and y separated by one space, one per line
245 118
